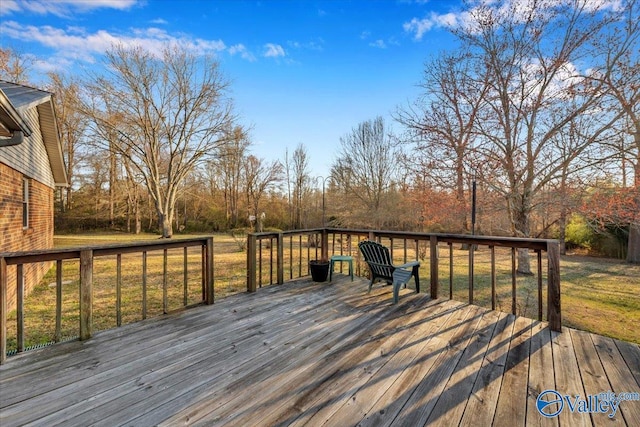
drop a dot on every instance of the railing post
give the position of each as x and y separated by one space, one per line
209 271
554 312
251 263
20 306
471 271
325 244
58 333
3 310
86 294
433 259
280 255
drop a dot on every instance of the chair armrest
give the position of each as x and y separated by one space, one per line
408 265
377 264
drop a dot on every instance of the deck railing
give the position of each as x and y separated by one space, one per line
278 256
86 256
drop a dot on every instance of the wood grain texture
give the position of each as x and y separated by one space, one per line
307 353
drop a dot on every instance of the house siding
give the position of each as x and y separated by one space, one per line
30 158
13 237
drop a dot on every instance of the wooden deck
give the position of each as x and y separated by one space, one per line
320 354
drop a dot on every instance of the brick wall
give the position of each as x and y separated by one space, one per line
13 238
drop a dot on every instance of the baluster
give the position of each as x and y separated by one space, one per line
119 290
58 333
513 280
493 277
471 271
450 244
144 285
290 257
260 263
165 302
271 260
20 306
539 254
185 278
3 309
433 260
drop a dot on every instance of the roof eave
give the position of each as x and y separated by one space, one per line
52 142
11 118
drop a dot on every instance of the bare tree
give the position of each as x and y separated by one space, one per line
301 184
287 171
259 178
621 75
530 51
172 114
72 125
228 165
366 167
15 66
443 123
132 185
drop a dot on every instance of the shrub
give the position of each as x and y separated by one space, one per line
579 234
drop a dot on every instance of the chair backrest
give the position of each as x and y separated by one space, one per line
377 257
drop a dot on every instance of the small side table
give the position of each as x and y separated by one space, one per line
341 258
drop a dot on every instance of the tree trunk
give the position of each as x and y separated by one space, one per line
563 231
128 217
165 219
522 228
112 188
633 251
633 248
137 217
68 201
524 262
166 225
259 223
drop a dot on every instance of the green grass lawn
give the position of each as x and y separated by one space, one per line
598 295
601 296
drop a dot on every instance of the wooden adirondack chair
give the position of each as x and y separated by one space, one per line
379 260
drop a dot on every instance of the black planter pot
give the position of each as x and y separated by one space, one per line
319 270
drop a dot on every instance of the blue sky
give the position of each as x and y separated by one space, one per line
301 71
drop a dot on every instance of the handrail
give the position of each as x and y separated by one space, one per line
432 240
85 256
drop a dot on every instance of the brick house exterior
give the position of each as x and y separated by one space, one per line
31 167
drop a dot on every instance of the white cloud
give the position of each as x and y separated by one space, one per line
54 64
365 35
534 81
512 10
75 42
273 50
62 8
317 44
159 21
435 20
240 49
379 44
9 6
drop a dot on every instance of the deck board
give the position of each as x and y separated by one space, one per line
512 402
319 354
540 378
